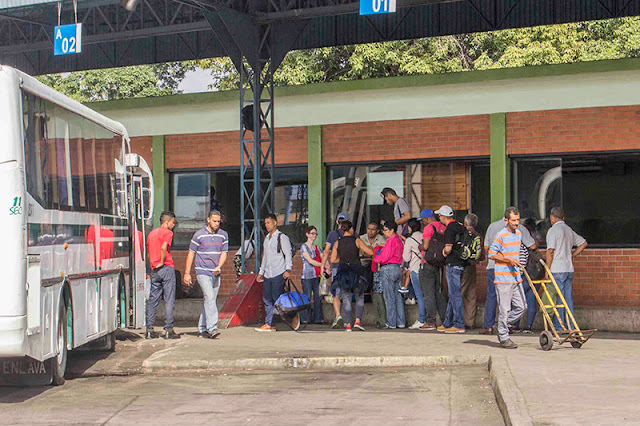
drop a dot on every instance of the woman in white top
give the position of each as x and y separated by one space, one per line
411 256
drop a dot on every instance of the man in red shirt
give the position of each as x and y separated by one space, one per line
163 275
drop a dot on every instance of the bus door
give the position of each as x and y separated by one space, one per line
139 252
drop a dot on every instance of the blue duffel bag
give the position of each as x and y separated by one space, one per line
291 302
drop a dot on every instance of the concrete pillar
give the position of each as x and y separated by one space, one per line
317 182
500 170
160 179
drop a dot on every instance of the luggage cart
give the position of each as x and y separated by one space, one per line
571 332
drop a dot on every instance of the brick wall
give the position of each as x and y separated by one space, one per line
607 277
222 149
142 145
573 130
407 139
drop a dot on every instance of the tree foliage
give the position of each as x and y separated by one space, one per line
120 83
555 44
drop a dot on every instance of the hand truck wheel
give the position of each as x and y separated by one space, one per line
576 345
546 340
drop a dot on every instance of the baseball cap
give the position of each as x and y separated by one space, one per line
342 216
445 211
426 213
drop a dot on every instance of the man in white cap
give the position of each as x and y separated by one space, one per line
454 317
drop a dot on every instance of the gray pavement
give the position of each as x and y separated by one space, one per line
455 396
597 384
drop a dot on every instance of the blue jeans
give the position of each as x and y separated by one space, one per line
491 304
391 275
210 286
272 288
163 284
532 303
565 284
310 285
415 284
455 309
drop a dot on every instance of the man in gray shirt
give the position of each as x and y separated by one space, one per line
561 240
490 305
275 268
401 209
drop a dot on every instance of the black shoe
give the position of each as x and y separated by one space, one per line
204 334
170 334
150 334
527 330
214 334
508 344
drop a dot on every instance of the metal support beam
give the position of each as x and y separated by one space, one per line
256 51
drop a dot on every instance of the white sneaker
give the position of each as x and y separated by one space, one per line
401 325
416 325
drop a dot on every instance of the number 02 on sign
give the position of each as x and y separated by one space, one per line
376 7
68 39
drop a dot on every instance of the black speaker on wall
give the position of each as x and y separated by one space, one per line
247 118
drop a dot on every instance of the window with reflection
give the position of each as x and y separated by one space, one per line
597 192
463 185
194 193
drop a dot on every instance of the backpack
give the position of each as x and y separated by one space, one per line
433 255
534 267
279 246
468 245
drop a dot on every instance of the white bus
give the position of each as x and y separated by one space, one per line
72 255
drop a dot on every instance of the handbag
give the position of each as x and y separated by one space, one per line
318 258
324 287
291 302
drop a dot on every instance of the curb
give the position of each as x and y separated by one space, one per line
154 364
509 397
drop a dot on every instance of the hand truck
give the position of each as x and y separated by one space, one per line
571 332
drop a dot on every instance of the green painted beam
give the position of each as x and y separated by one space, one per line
499 162
628 64
317 182
160 179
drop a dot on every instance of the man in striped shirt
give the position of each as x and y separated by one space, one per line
505 252
209 247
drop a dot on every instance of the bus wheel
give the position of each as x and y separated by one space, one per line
58 364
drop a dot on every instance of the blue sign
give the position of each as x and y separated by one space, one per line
68 39
376 7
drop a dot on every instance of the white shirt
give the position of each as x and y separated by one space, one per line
274 263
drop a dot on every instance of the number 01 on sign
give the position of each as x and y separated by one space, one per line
376 7
68 39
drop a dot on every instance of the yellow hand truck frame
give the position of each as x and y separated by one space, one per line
569 333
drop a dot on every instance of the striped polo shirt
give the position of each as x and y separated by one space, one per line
208 247
508 245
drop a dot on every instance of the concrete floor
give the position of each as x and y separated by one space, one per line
452 396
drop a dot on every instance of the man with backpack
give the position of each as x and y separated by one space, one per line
468 284
431 268
455 264
275 268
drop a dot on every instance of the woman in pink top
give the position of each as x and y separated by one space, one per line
390 259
